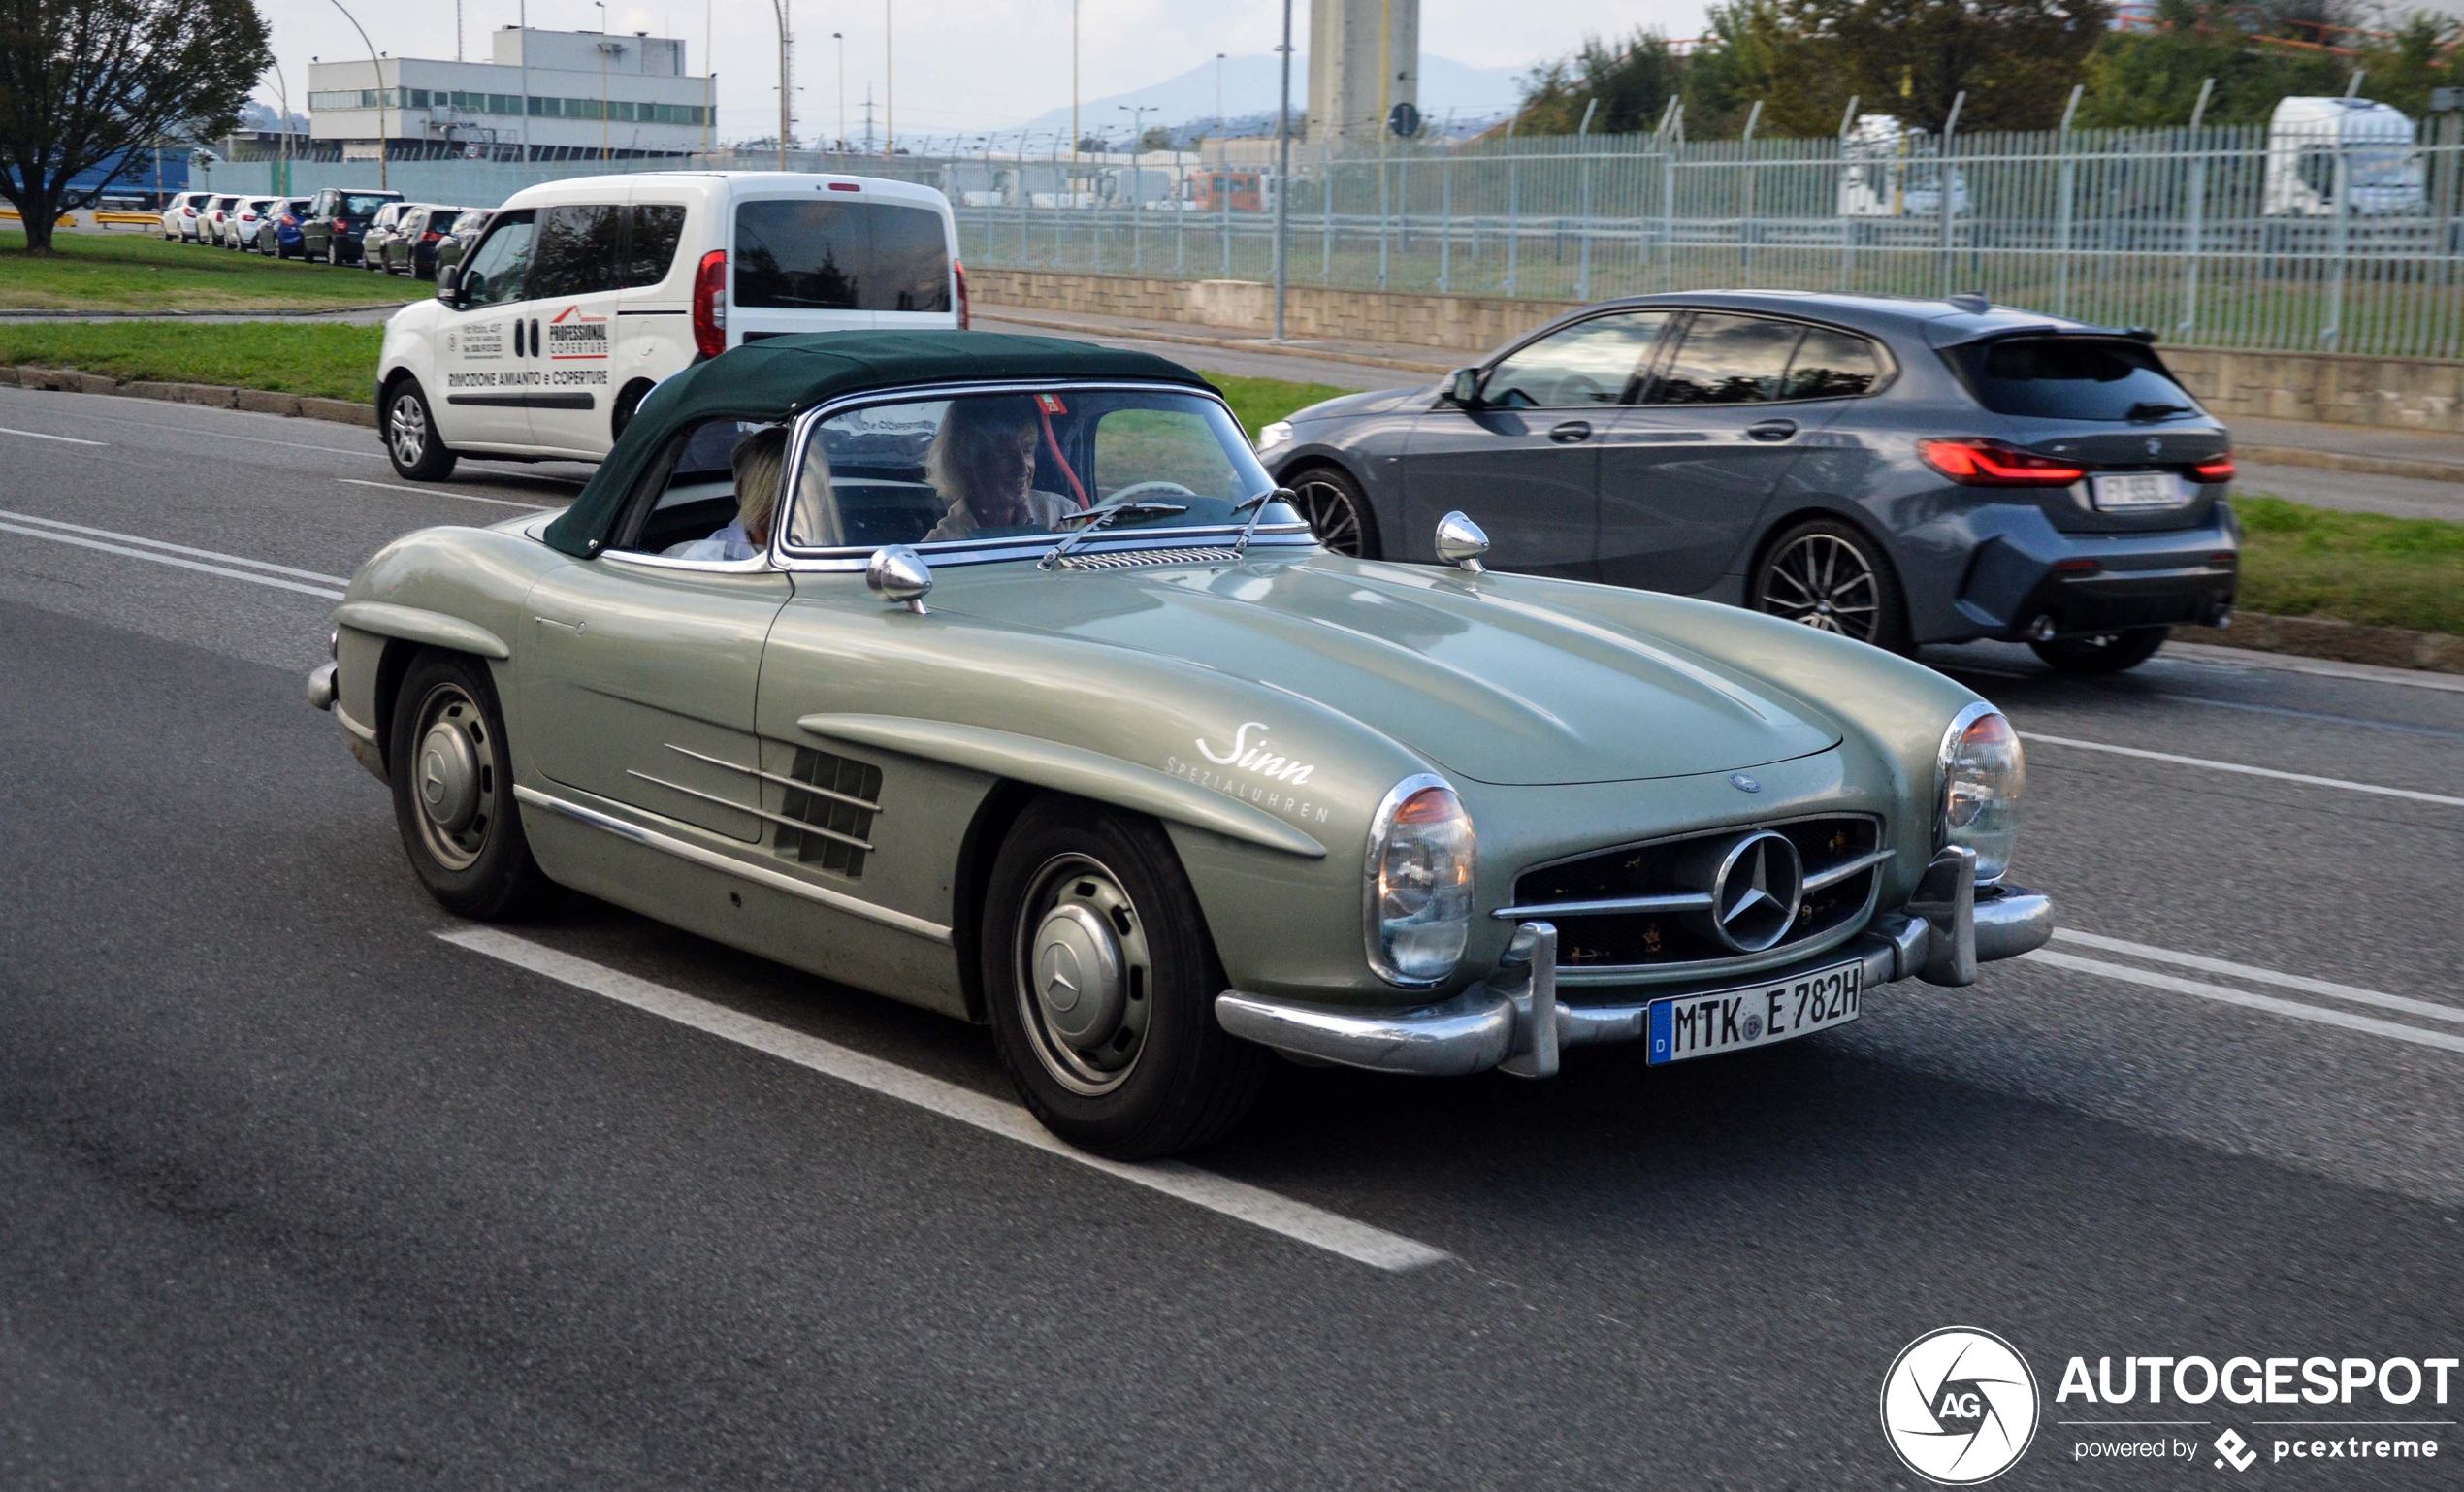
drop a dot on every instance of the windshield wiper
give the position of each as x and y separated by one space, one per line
2148 410
1095 518
1256 509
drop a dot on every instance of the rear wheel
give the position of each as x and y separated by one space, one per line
1831 577
334 253
418 453
1337 511
2104 652
453 793
1101 981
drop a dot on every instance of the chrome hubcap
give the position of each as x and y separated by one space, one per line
1824 582
1331 515
408 427
453 776
1084 975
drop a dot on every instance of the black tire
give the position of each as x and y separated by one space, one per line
1337 511
1833 577
453 793
408 427
1161 1075
2103 653
334 253
627 401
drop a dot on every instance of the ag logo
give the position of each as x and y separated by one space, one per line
1960 1406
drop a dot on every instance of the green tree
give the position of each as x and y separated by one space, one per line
1631 83
2015 59
85 80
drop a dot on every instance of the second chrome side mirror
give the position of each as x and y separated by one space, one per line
1461 543
896 572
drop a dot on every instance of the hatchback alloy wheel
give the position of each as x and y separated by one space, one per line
1829 576
1336 512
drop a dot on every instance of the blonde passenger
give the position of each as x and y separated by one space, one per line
760 461
983 464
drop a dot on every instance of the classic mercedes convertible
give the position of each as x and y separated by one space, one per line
992 673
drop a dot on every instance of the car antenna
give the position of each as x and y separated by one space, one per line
1258 511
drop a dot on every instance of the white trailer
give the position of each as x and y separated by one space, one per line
1885 176
2323 149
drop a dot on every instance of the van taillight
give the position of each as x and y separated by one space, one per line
710 304
959 273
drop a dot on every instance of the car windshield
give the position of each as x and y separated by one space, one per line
1010 466
2071 378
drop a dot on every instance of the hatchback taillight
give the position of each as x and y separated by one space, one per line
710 304
2217 468
1974 461
430 236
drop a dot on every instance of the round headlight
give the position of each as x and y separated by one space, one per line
1418 883
1983 777
1276 434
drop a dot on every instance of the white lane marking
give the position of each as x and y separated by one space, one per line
2034 737
36 434
2200 655
156 544
125 552
2355 721
2294 1009
440 492
2256 975
209 432
1253 1205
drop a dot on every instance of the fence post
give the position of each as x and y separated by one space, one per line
2198 213
1839 195
1583 143
1445 222
1326 234
1946 184
1180 211
2333 328
1513 206
2062 210
1746 215
1669 209
1224 194
1382 206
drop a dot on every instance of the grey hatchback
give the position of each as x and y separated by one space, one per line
1902 471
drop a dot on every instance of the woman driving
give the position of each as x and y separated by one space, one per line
983 464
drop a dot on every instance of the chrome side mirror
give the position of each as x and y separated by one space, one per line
896 572
1461 543
1463 387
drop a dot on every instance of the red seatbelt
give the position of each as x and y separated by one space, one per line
1044 412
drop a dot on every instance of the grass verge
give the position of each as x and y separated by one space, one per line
1260 402
2365 567
323 359
136 271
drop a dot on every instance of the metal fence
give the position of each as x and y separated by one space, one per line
2222 237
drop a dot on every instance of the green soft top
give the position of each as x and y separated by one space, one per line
778 378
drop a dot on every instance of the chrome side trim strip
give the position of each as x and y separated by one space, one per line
1674 902
780 818
712 860
798 784
1835 874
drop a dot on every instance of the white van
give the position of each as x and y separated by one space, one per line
2311 142
584 293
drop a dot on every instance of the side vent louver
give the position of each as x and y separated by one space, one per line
839 798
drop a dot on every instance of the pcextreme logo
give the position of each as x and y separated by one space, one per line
1960 1406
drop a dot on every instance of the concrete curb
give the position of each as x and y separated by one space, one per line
2351 642
38 313
1295 348
2347 461
213 396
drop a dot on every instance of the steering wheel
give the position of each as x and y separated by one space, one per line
1135 490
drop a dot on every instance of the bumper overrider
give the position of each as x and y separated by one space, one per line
1513 1021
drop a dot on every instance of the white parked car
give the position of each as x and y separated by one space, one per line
585 293
217 218
183 217
240 232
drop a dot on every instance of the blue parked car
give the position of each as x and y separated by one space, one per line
278 228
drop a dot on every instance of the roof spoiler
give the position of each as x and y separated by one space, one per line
1950 336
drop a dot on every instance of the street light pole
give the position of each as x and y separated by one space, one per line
1284 172
778 9
383 147
889 89
522 31
841 37
601 5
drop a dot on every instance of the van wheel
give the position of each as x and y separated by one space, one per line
418 453
2103 653
1100 980
626 403
453 793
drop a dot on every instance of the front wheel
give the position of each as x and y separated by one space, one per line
1337 511
2103 652
1101 981
418 453
453 793
1833 578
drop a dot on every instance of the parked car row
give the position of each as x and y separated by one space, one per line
376 230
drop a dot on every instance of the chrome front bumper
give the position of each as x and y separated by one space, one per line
1514 1019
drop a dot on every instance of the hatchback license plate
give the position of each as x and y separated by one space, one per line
1754 1015
2137 489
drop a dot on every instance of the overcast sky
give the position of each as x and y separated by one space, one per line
961 64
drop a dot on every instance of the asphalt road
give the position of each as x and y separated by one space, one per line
296 1193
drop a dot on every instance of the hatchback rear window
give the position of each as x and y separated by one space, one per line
2103 378
840 256
360 204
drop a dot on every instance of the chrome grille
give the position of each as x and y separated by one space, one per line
1648 906
833 800
1131 558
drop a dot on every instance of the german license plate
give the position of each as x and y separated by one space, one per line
1753 1016
2136 489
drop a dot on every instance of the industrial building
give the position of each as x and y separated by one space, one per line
544 96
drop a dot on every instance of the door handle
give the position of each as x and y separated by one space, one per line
1574 431
1772 430
534 343
517 337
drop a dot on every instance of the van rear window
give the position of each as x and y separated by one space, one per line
2071 378
840 256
